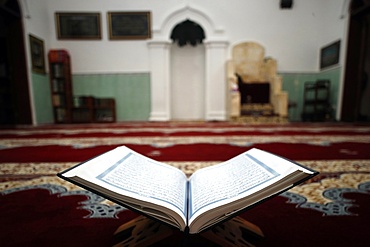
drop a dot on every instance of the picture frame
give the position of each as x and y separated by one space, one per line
329 55
129 25
37 54
78 26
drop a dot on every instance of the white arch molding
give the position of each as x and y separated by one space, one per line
215 57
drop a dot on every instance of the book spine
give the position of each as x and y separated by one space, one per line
188 198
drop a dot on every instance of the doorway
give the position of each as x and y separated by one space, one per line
187 75
356 90
15 105
187 82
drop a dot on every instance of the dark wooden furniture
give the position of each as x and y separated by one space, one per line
104 110
61 85
88 109
83 109
316 101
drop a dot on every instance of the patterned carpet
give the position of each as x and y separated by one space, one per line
338 151
337 176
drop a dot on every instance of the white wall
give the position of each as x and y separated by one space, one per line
292 36
333 26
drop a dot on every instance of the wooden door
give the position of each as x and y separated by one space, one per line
16 106
356 81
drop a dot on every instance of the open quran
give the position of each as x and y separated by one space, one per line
192 204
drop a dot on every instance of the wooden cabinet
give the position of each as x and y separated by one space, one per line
105 110
87 109
83 109
61 85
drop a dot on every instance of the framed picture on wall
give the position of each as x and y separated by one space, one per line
329 55
129 25
37 54
78 26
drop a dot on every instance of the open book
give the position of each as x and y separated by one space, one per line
193 204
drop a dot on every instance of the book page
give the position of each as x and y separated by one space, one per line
239 177
128 173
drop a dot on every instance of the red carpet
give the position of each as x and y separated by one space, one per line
186 152
38 209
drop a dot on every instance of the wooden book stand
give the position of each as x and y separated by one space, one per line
144 232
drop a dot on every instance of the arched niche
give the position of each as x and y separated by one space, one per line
160 64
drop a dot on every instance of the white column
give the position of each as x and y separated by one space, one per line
216 83
160 84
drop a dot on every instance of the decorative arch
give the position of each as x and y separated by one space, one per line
183 13
215 59
187 32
